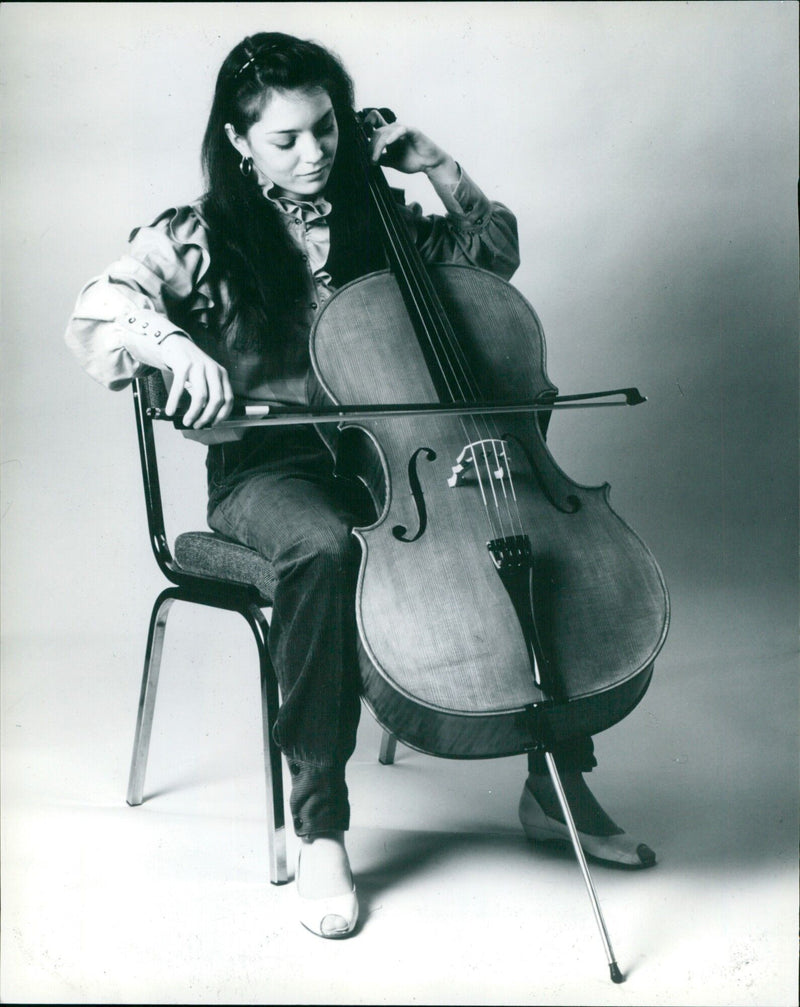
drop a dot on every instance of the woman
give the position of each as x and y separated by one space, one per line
220 295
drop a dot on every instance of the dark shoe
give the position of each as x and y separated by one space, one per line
617 850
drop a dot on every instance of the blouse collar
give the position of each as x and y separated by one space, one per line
307 210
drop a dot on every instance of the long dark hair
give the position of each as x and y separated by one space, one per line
250 249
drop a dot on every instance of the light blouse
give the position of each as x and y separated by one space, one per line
160 286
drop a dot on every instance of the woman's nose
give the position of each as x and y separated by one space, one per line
312 149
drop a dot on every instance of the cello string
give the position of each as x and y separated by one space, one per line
443 344
423 302
446 361
448 354
437 327
424 306
426 302
502 465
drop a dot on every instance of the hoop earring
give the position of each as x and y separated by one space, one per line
246 166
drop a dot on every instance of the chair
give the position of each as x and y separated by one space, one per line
206 569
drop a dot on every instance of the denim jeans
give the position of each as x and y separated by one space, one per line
275 492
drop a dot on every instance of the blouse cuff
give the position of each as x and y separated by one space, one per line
466 200
144 322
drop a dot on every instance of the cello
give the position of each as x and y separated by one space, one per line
501 607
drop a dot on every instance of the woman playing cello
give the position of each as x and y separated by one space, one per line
220 295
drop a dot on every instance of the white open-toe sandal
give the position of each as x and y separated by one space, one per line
332 916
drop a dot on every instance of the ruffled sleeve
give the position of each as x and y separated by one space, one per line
476 231
158 287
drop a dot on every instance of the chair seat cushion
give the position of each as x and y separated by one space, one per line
214 556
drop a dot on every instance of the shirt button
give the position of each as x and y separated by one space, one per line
479 220
468 208
298 823
313 305
294 769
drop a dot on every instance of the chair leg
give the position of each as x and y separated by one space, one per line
147 696
388 748
276 830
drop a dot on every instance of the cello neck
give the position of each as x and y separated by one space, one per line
446 362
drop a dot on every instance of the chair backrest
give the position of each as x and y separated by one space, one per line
150 391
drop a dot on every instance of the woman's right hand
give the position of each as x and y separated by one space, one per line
204 379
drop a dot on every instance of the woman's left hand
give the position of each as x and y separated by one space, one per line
406 149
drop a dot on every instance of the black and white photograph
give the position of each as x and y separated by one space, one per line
399 492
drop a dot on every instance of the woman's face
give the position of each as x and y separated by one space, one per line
293 144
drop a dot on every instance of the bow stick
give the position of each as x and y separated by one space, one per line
247 414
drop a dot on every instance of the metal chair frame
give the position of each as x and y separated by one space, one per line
198 589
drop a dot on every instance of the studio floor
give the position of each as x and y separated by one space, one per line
169 902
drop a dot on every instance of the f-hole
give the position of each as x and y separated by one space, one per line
400 531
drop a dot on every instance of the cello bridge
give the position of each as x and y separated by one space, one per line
490 454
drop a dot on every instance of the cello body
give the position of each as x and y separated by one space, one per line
461 654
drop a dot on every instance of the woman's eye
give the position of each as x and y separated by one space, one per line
284 146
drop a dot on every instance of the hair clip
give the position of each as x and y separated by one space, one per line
244 66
